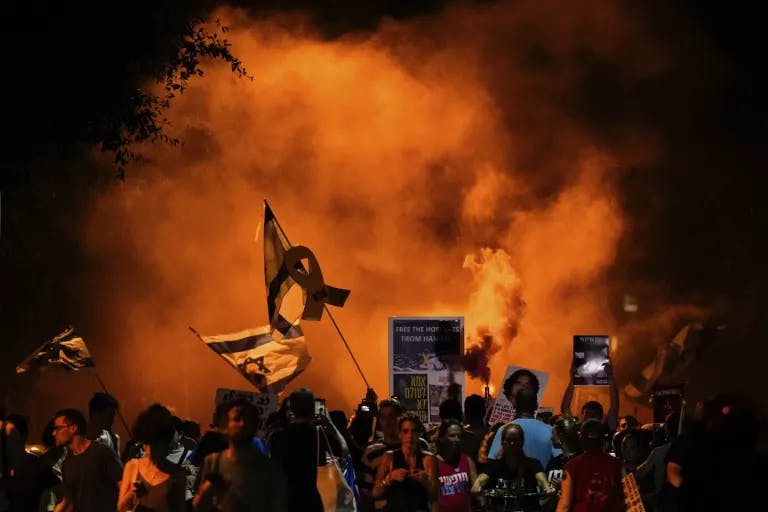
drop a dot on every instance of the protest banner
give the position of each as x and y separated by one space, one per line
424 363
632 498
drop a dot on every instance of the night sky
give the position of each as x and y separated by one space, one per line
698 211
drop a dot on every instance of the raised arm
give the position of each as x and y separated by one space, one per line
565 406
612 418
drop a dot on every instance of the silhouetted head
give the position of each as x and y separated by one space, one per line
302 404
592 410
102 409
592 436
566 429
525 402
450 410
474 408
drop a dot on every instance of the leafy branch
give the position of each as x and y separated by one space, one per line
143 117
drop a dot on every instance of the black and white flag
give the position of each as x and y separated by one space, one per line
67 350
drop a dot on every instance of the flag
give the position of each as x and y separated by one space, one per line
284 267
268 358
673 358
67 350
278 279
643 383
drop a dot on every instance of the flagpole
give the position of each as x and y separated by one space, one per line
119 414
325 307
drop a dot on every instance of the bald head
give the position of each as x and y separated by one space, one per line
512 439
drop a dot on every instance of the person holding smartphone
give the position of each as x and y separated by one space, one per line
408 476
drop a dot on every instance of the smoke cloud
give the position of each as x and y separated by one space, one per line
439 166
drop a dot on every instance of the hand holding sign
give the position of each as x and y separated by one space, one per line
310 278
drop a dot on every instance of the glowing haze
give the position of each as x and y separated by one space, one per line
432 168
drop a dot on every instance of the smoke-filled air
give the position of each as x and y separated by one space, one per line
436 166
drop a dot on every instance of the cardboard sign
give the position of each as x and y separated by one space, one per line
590 357
425 363
514 379
667 400
632 494
266 403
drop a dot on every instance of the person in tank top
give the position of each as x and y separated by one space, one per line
407 476
152 483
456 471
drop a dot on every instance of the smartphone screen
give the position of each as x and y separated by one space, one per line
320 406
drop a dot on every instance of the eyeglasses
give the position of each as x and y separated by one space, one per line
56 428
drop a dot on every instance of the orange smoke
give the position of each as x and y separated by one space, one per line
396 157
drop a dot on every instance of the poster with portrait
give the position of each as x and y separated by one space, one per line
667 400
590 357
266 403
425 363
515 379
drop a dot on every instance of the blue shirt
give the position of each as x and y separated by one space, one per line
538 440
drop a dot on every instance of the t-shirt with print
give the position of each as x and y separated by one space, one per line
91 479
596 483
455 485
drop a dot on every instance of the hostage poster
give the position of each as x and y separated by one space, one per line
424 363
516 378
590 357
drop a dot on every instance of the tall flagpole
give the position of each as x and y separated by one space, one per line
325 306
119 414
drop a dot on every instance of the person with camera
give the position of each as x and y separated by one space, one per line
152 483
407 476
241 478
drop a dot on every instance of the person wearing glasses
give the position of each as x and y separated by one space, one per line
91 473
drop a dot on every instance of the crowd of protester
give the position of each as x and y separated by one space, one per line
385 457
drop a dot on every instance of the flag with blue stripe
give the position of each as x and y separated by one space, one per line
268 358
278 280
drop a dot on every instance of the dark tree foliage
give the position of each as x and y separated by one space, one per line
144 119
